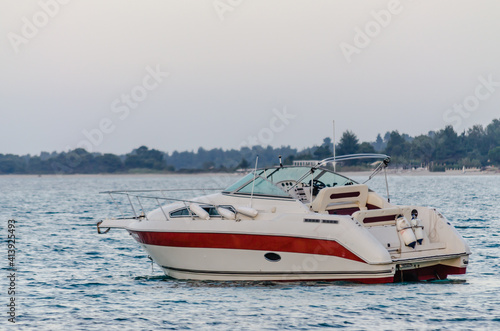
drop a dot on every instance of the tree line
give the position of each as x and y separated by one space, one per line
476 147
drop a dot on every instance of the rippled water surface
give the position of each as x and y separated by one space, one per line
71 278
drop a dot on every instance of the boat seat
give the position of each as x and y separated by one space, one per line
332 200
378 217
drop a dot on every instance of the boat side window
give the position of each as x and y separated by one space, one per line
180 213
211 210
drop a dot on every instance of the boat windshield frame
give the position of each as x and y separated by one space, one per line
303 175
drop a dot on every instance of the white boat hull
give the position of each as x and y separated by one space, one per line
242 257
251 265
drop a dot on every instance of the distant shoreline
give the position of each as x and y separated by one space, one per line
124 175
390 172
399 172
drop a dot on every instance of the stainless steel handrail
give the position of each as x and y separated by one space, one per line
138 194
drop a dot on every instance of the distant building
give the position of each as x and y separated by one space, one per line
307 163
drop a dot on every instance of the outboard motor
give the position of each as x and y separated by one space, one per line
417 226
406 232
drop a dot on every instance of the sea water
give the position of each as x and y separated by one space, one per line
67 277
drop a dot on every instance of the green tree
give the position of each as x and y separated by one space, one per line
12 164
387 136
448 148
144 158
322 152
208 165
476 145
493 133
366 148
379 144
494 155
422 149
349 143
243 164
397 146
325 150
38 165
108 163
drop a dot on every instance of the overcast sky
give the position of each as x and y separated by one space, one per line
113 75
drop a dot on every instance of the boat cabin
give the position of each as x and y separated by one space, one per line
321 189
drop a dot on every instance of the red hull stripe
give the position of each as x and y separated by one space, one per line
246 241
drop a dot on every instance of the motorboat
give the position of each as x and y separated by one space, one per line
293 223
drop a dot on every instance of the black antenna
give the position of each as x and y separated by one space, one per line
281 164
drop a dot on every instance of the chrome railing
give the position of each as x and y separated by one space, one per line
143 196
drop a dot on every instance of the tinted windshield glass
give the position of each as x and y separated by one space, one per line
239 183
262 186
303 174
287 174
277 181
331 179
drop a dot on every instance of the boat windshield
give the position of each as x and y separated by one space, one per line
279 181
